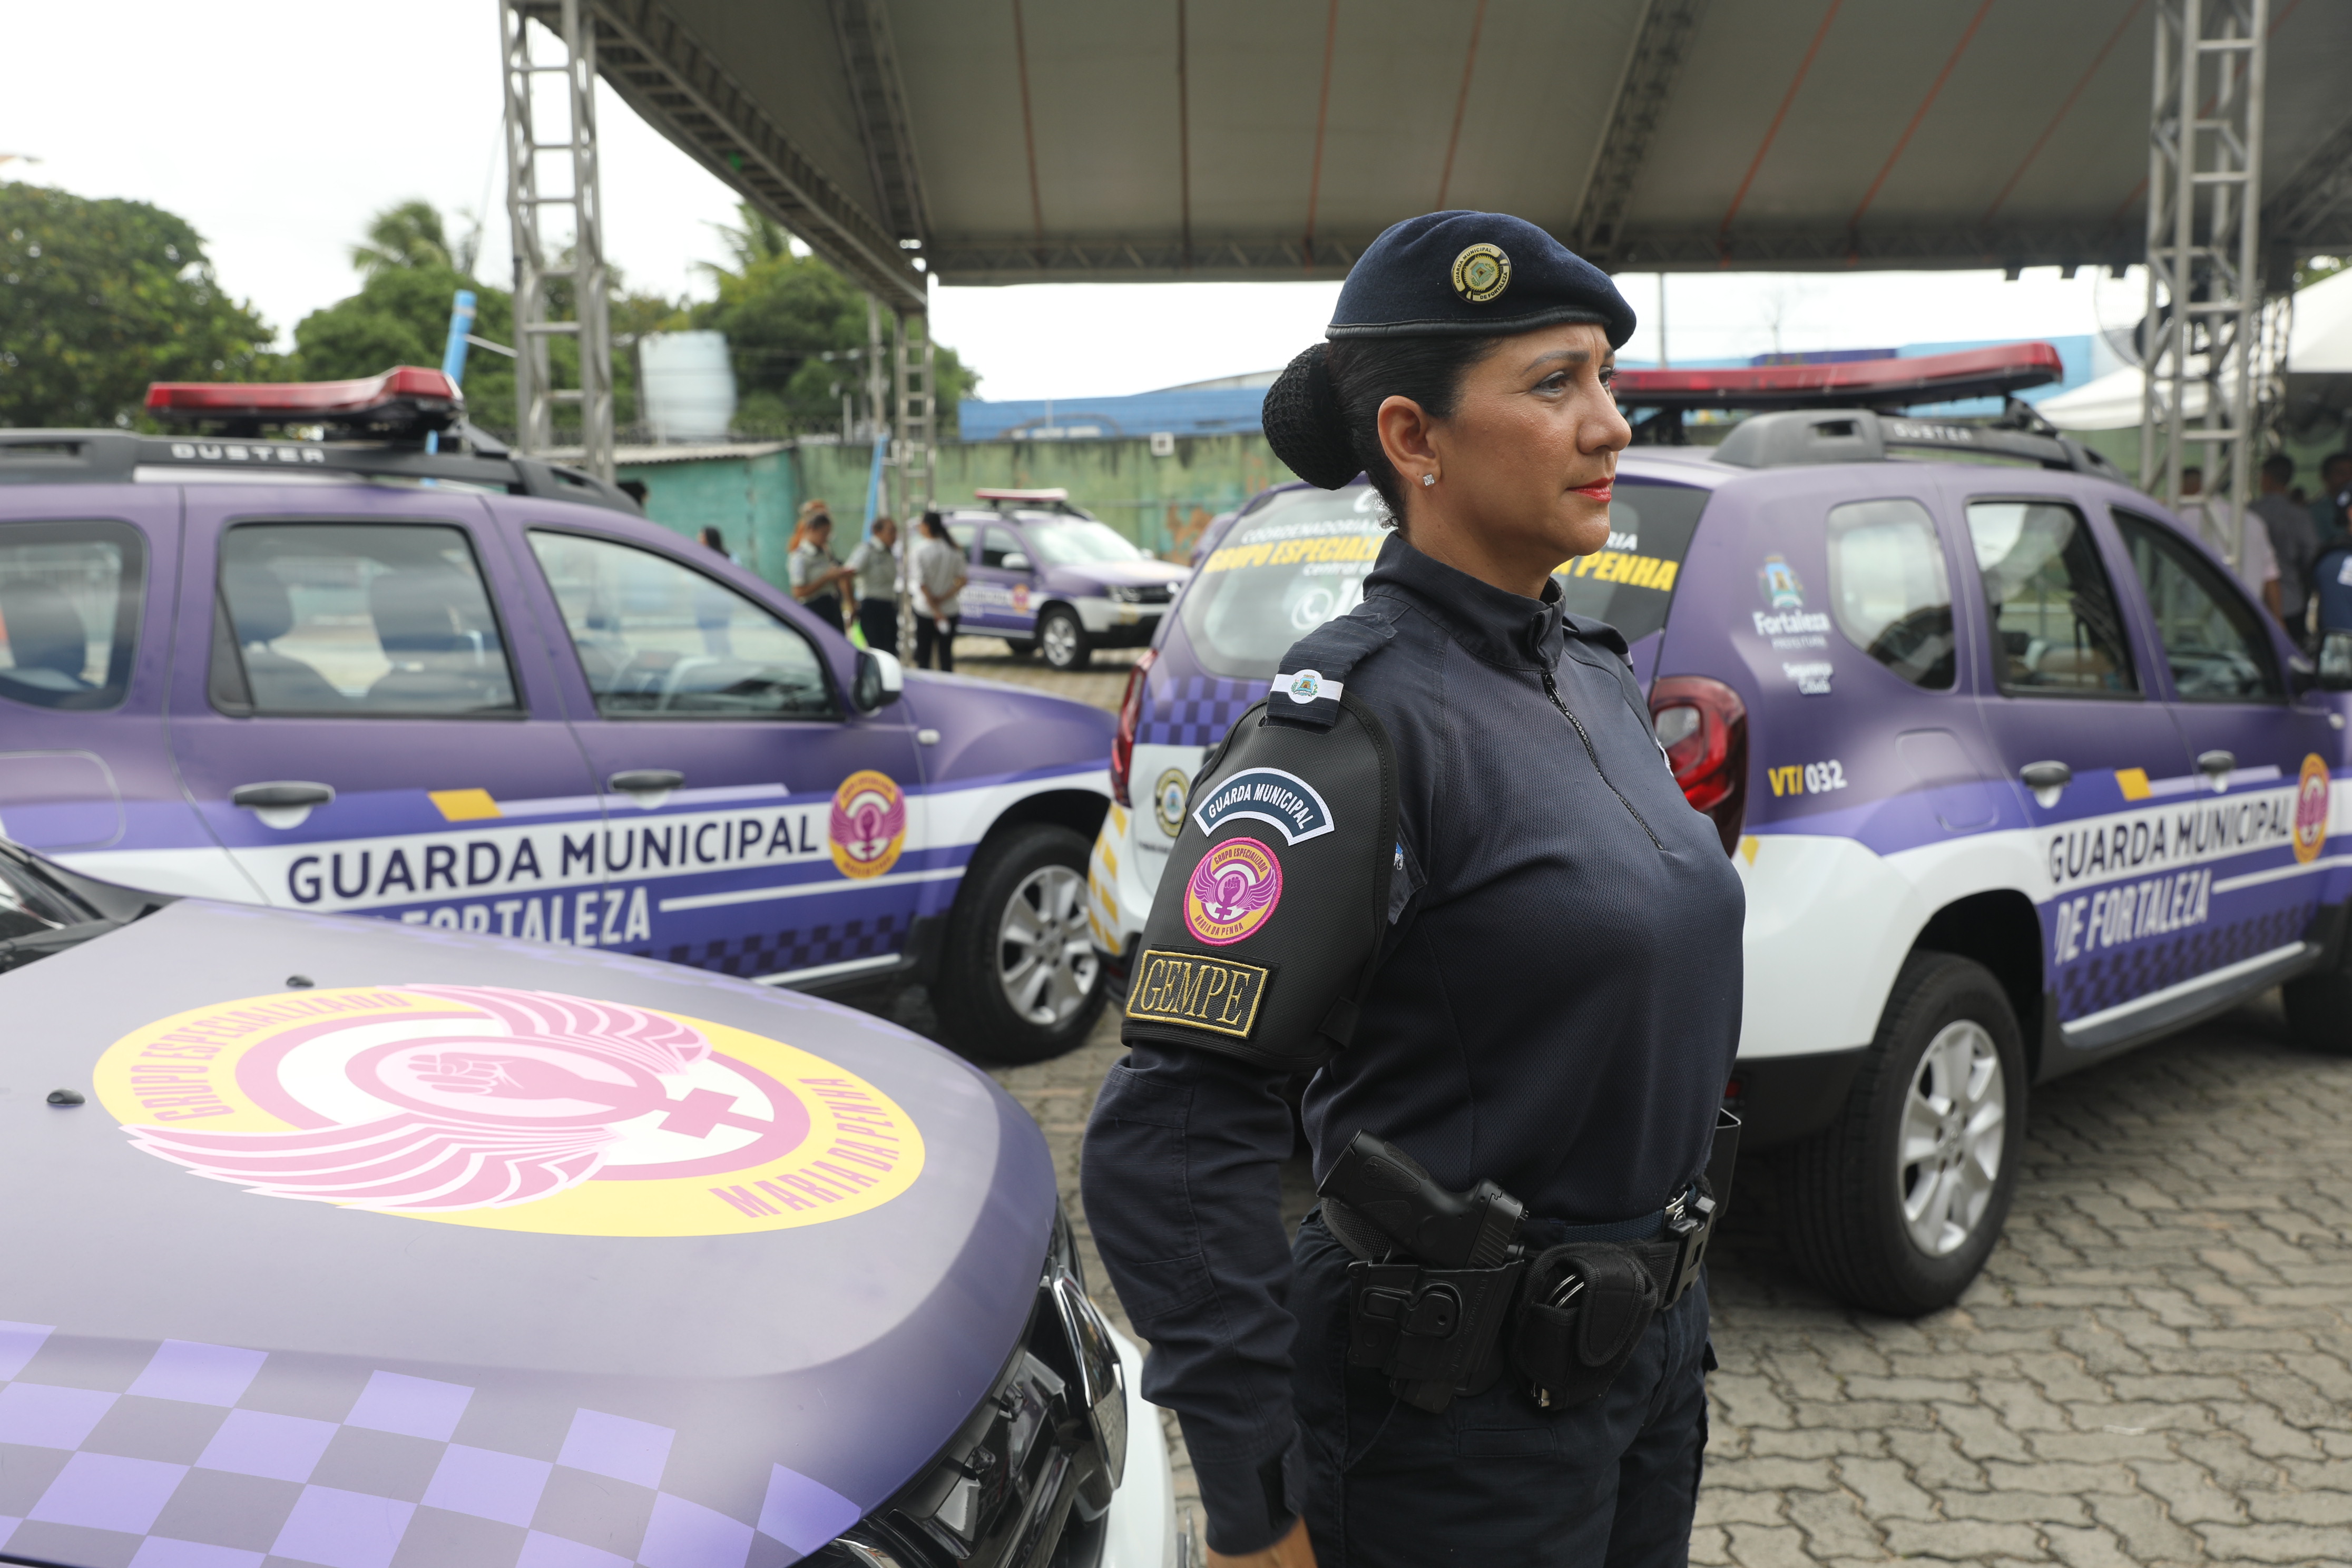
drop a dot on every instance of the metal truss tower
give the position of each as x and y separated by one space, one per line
2205 310
579 272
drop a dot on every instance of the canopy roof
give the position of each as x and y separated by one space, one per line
1063 139
2319 345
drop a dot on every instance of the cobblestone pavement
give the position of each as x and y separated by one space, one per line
2156 1368
1102 683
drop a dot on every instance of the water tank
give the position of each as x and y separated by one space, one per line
689 385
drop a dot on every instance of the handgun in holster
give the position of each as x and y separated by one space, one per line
1447 1291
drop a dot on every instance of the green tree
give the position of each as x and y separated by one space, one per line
100 298
408 237
782 314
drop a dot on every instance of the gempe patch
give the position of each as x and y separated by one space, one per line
1280 799
1198 991
510 1110
1232 891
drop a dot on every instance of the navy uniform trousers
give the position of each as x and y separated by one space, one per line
1495 1481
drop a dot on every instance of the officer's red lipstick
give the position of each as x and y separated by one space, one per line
1600 492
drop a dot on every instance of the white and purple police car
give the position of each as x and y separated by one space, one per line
1049 578
2016 774
479 692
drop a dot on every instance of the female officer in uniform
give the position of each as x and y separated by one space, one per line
1551 993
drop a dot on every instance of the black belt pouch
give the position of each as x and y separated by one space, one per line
1573 1353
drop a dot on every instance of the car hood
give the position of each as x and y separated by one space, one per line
1123 573
803 1249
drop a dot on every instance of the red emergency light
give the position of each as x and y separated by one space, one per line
1851 383
406 398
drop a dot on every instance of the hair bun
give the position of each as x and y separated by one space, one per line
1302 423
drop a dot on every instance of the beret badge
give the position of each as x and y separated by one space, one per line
1481 273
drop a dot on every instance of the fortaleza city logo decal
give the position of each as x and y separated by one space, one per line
510 1110
1233 892
2311 810
870 825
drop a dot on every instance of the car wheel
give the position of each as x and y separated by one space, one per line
2320 1011
1063 640
1020 981
1020 648
1896 1205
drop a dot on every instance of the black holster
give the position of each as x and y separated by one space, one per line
1433 1332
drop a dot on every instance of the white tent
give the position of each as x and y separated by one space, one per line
2320 344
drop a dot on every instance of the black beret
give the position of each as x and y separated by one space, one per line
1474 274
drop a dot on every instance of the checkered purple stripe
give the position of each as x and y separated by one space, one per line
2109 979
1193 710
202 1455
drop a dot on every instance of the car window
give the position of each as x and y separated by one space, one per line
1277 574
69 600
1075 541
963 533
658 640
997 543
356 619
2213 639
1630 583
1888 590
2056 628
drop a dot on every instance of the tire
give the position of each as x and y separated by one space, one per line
1020 980
2320 1011
1906 1235
1063 639
1020 648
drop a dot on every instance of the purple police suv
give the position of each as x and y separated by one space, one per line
367 1244
2016 774
474 691
1047 576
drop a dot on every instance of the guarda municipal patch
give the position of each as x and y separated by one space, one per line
1198 991
1282 800
530 1110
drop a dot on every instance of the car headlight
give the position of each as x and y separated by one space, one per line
1122 596
1036 1461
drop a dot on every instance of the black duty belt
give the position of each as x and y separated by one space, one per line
1449 1288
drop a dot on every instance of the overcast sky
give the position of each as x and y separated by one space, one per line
278 128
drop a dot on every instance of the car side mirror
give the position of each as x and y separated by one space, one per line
881 680
1015 561
2336 662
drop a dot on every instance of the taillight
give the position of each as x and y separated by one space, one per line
1703 725
1130 714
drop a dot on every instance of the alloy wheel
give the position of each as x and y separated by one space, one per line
1060 638
1045 955
1947 1154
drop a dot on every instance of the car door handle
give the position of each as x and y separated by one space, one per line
281 795
646 781
2047 781
2217 766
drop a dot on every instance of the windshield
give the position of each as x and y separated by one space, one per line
1077 541
1279 574
1631 582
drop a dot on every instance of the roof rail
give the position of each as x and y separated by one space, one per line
122 456
1860 435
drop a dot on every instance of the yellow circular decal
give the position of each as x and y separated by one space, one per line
870 825
1481 272
1168 801
2311 810
510 1110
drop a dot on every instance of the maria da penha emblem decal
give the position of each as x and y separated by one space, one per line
511 1110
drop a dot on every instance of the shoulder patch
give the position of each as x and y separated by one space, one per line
1314 673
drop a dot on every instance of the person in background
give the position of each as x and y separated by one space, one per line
939 585
2329 513
2209 517
874 569
714 606
712 539
2295 543
817 573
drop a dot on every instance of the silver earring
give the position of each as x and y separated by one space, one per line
1428 480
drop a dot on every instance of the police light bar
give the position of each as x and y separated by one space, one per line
1041 498
1852 383
405 399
